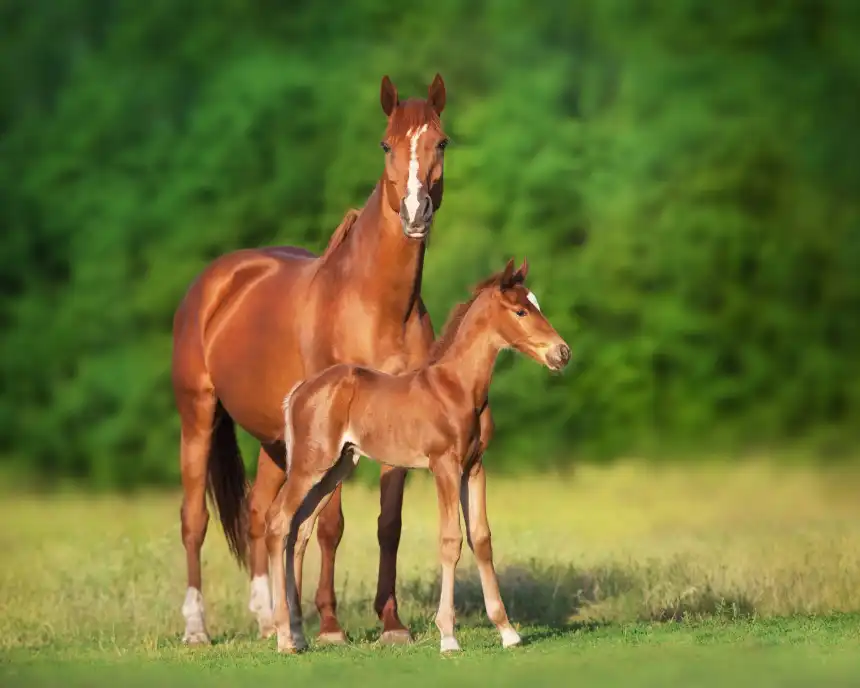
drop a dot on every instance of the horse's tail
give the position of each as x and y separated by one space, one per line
228 486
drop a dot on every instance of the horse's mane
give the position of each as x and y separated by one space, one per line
341 232
458 314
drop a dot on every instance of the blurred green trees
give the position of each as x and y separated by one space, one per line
682 175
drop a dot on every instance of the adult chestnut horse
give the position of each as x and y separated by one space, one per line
256 322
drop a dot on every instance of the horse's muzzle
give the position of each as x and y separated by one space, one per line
558 357
418 228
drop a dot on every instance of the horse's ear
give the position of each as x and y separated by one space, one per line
507 275
523 270
388 96
436 94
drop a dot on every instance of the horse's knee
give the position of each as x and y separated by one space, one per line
388 529
194 520
481 544
258 514
450 548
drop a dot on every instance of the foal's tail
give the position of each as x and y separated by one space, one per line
286 407
228 486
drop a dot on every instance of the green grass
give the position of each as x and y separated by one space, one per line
626 576
786 652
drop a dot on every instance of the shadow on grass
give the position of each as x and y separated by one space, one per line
547 600
534 593
551 596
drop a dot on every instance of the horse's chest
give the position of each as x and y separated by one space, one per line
358 334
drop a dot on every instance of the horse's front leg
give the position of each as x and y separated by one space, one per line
391 483
448 475
473 496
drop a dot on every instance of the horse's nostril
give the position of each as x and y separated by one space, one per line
563 353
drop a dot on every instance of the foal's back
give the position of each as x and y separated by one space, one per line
393 419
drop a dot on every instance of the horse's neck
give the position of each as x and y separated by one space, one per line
471 357
377 259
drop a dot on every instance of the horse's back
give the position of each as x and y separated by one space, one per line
231 296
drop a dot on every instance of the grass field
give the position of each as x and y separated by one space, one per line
626 576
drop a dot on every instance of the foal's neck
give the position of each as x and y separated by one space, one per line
471 357
379 261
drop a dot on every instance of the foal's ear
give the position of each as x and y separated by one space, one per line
507 275
523 270
436 94
388 96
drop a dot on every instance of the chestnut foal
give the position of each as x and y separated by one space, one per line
427 418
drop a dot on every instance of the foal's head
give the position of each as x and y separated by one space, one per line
414 146
517 318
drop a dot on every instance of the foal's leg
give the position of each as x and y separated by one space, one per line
280 520
291 521
197 417
391 483
473 497
315 503
448 475
269 480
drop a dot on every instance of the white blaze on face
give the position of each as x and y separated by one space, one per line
531 297
413 185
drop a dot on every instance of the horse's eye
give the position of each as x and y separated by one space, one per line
442 145
522 312
385 146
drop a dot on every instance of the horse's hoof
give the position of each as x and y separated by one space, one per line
332 638
398 637
196 638
267 631
449 644
510 638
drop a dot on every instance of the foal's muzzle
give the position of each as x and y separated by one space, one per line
558 357
418 228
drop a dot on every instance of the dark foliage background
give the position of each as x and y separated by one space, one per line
683 176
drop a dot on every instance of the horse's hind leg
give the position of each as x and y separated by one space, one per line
270 478
197 416
329 534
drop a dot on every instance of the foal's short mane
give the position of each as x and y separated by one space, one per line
341 232
458 313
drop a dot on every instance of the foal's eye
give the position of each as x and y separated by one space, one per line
385 146
442 145
522 312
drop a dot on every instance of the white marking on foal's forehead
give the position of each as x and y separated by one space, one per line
531 297
413 185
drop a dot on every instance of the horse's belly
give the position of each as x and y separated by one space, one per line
253 375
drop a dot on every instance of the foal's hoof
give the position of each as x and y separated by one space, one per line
398 637
332 638
196 638
291 648
449 645
267 631
510 638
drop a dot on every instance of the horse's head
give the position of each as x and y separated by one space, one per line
521 324
414 146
